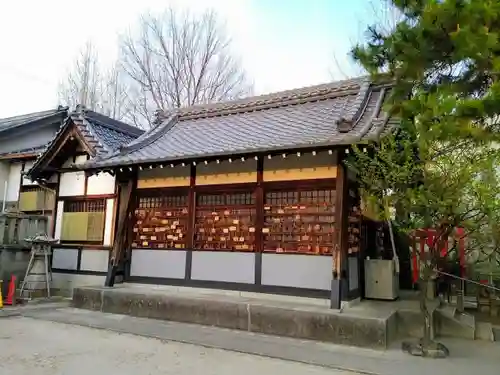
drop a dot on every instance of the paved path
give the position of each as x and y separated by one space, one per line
35 347
467 357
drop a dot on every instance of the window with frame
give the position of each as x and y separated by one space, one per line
162 221
299 221
225 221
83 221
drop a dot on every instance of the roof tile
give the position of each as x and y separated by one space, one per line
292 119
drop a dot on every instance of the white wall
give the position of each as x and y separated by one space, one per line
103 183
14 182
108 225
158 263
4 176
65 259
58 227
94 260
72 184
223 266
27 167
298 271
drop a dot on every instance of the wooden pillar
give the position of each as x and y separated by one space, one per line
339 257
191 221
124 212
259 222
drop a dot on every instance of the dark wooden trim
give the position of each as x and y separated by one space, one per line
79 259
289 291
189 264
56 203
87 198
81 246
104 219
130 220
25 156
258 268
277 152
86 186
79 272
341 212
225 188
191 221
84 243
300 184
48 156
153 192
259 205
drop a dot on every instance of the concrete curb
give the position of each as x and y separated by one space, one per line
311 324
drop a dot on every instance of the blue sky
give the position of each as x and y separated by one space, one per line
282 44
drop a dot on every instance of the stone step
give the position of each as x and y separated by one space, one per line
484 331
462 325
252 315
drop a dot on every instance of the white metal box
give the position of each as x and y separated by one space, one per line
381 279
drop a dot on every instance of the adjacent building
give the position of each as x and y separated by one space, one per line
22 138
83 205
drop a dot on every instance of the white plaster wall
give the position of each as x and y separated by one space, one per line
27 167
103 183
158 263
65 259
14 182
94 260
298 271
4 176
80 159
72 184
58 226
108 225
223 266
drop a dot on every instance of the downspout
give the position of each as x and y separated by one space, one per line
4 202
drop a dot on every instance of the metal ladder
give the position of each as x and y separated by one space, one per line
40 258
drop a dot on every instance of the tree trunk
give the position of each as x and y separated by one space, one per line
424 308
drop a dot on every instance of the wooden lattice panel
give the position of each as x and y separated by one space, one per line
225 222
299 221
83 220
161 222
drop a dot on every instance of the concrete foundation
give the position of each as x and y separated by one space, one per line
282 317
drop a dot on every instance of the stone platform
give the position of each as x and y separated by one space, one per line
297 317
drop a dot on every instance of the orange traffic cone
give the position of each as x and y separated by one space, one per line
1 297
10 300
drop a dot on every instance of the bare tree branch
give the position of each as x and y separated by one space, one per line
180 59
97 89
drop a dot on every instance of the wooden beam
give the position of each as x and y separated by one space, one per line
340 248
191 207
126 198
259 203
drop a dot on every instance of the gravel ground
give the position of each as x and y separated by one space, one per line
38 347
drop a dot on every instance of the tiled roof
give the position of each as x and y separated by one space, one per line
101 133
338 113
24 151
16 121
